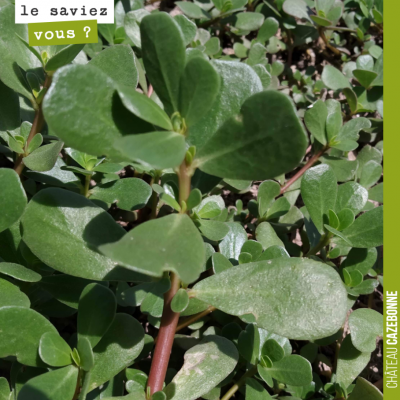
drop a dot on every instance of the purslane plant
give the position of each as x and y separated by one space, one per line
123 273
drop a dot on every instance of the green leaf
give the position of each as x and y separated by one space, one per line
267 236
292 370
129 193
20 335
118 63
365 325
198 89
96 311
366 287
350 362
10 295
220 263
318 190
279 208
272 252
334 79
158 150
315 120
346 218
233 242
194 199
180 301
268 29
351 195
249 344
365 390
360 259
238 82
233 152
4 389
85 354
188 28
320 20
63 57
370 174
365 77
205 366
35 143
297 9
210 207
15 145
267 192
59 384
256 391
12 198
163 56
144 108
367 230
46 225
19 272
118 348
252 247
249 21
213 230
192 10
81 108
14 53
299 304
9 110
54 350
376 193
44 158
179 248
273 350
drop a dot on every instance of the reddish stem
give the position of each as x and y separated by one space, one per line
162 351
298 174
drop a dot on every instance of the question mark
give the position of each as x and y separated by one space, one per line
87 30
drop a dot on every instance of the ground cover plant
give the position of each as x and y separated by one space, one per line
192 207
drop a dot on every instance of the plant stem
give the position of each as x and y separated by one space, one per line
85 387
154 198
36 128
78 385
326 41
322 243
339 28
87 186
162 351
193 318
300 173
252 371
184 182
338 345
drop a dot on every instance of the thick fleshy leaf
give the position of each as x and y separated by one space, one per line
268 129
179 248
192 10
20 335
180 301
205 366
4 389
60 384
163 56
9 110
267 192
19 272
297 9
365 325
233 242
351 195
365 77
54 350
249 21
315 120
81 108
365 390
360 259
12 198
96 311
86 356
292 370
220 263
213 230
370 174
199 87
267 236
318 190
44 158
350 362
299 304
129 193
118 62
334 79
118 348
158 150
63 57
268 29
14 52
144 108
11 295
367 230
249 344
62 228
238 82
256 391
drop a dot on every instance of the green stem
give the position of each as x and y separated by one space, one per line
87 186
85 387
324 241
339 28
154 199
251 372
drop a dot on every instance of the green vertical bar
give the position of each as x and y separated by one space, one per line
391 386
